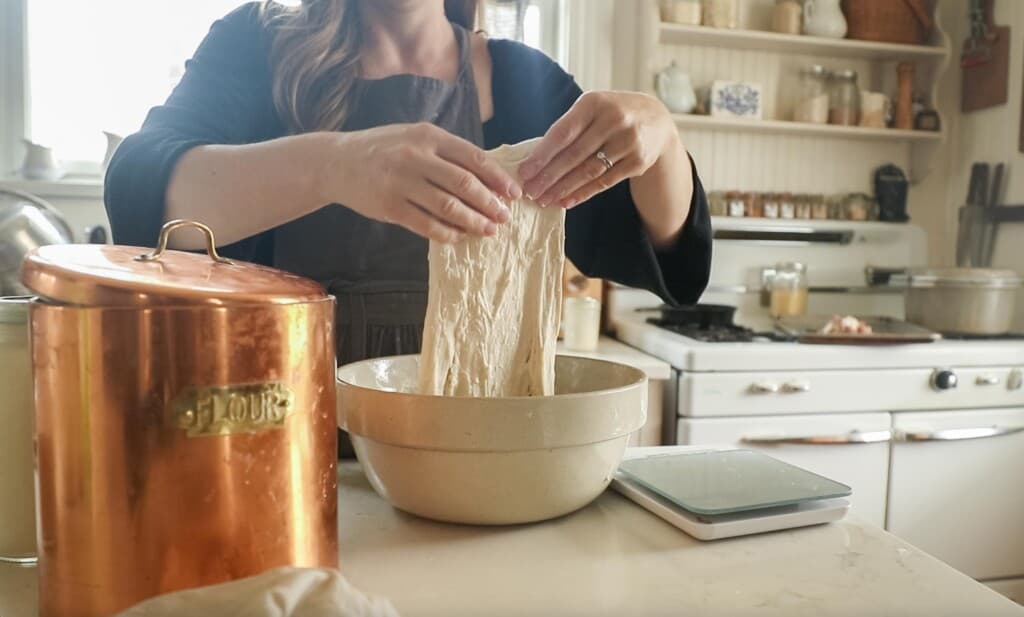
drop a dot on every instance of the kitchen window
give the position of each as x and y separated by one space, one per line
85 71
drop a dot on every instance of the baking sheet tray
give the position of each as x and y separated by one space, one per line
887 331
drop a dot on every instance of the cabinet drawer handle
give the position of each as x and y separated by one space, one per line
796 387
958 434
987 380
851 438
764 387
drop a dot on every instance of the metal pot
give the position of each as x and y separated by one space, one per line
962 300
185 426
26 223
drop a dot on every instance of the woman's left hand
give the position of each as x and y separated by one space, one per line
632 130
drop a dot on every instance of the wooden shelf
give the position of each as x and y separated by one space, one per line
679 34
782 127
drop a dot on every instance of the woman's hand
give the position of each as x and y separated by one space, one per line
418 176
633 130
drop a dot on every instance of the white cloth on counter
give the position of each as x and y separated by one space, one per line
494 303
284 592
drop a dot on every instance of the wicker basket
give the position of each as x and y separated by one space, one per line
888 21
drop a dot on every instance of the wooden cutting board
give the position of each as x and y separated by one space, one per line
985 84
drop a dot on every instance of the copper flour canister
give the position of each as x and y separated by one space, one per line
185 422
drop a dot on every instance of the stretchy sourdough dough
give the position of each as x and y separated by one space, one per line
493 305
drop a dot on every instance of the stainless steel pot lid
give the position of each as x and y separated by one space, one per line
14 309
964 277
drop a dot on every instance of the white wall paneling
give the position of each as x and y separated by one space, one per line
991 136
774 156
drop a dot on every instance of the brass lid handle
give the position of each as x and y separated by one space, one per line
165 234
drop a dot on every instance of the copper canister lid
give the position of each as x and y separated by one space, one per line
104 275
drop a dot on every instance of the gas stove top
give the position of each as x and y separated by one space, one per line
1009 336
720 333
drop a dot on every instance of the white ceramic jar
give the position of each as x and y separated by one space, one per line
17 482
581 323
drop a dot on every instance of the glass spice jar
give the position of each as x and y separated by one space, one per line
753 206
718 204
803 207
819 207
836 208
771 206
844 98
787 209
734 203
859 207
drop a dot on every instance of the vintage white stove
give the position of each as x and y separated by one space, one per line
930 436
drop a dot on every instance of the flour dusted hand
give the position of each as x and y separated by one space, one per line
493 306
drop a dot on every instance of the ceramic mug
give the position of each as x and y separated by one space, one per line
874 109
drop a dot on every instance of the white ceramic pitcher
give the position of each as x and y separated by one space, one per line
824 18
40 163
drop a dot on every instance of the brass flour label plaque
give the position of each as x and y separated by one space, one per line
229 410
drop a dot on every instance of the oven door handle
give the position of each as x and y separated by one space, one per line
959 434
851 438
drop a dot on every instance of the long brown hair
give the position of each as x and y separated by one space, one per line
314 58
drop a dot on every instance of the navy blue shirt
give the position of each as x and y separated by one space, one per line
225 97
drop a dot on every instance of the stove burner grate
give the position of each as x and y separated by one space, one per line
719 333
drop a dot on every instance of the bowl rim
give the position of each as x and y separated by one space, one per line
568 395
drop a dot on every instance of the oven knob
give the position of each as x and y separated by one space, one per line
944 379
1015 380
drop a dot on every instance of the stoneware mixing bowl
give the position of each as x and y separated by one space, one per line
490 461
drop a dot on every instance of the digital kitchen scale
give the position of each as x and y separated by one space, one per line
713 494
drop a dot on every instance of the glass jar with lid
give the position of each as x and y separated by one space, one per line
734 203
718 204
803 207
844 98
819 206
813 104
771 206
753 206
788 289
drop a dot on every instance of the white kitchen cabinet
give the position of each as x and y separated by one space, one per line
961 499
801 440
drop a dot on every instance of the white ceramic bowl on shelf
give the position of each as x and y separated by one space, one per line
491 461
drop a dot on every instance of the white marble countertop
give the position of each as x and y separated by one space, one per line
614 558
614 351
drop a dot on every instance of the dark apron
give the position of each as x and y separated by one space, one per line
378 271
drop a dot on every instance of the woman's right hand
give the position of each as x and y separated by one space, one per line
418 176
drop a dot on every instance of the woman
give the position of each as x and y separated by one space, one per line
386 106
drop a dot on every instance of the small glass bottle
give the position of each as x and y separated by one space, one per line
789 290
844 99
